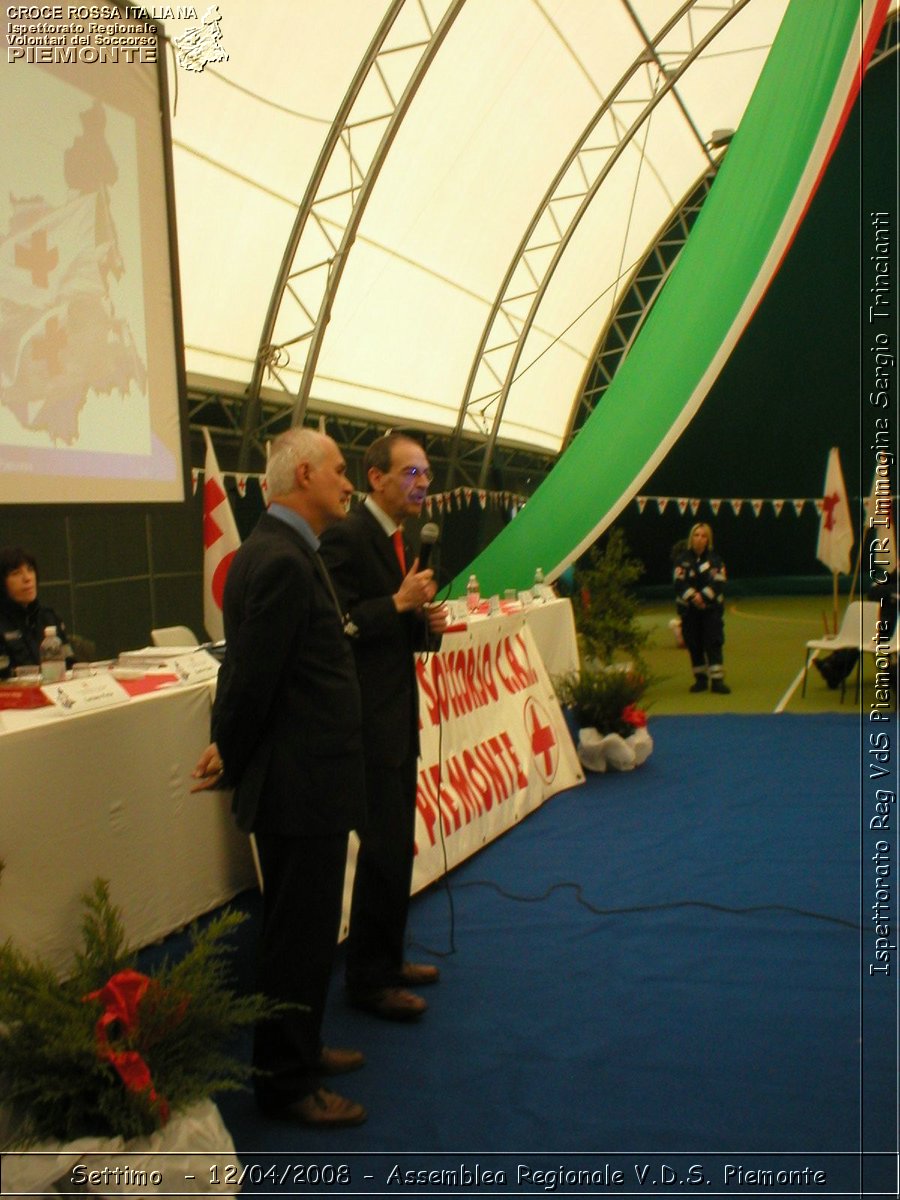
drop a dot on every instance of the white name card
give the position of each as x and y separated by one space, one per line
80 695
193 668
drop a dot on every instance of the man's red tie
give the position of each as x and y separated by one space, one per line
397 538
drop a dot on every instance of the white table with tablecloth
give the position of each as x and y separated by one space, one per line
106 793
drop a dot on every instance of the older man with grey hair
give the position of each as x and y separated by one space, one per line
287 736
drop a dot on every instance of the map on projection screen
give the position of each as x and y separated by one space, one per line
86 306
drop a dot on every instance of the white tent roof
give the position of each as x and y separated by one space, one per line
507 95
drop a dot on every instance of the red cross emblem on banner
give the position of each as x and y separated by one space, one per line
541 738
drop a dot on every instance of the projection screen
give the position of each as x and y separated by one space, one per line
91 372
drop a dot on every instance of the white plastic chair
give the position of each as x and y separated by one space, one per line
856 633
174 635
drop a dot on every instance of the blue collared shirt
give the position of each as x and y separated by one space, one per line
300 524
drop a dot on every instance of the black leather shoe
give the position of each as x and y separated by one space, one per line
721 687
392 1003
700 684
319 1110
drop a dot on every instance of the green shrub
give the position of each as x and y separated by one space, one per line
606 608
605 698
65 1052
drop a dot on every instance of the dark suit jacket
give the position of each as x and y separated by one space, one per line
363 564
287 716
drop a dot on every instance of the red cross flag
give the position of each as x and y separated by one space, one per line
835 529
220 542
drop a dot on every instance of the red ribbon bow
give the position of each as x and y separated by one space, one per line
632 715
122 995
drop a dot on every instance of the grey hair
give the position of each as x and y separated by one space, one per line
288 450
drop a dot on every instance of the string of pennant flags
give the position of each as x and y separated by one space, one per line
459 498
462 498
691 504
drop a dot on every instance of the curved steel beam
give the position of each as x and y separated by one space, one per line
522 326
338 153
326 155
637 299
339 262
519 253
887 41
646 281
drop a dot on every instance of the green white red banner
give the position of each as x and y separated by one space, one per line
763 190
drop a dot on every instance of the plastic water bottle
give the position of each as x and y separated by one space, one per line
473 595
538 590
53 657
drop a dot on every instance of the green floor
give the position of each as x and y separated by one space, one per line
765 640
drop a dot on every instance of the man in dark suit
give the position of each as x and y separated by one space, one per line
387 602
287 735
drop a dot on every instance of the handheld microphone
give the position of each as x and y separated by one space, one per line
429 535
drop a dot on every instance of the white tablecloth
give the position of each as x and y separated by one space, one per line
553 629
107 794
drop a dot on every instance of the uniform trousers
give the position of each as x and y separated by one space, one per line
703 630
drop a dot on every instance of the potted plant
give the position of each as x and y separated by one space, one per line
602 697
612 725
117 1062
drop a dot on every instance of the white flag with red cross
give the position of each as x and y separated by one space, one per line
835 529
220 542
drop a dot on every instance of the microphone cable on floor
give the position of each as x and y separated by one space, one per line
662 907
577 888
670 905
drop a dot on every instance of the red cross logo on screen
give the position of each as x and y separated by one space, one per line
544 746
38 258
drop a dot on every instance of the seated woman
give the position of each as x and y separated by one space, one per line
23 618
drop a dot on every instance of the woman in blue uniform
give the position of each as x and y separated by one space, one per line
699 595
23 618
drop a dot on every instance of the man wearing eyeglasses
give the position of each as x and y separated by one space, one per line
387 600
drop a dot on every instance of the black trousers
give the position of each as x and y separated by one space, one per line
302 898
703 630
381 885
